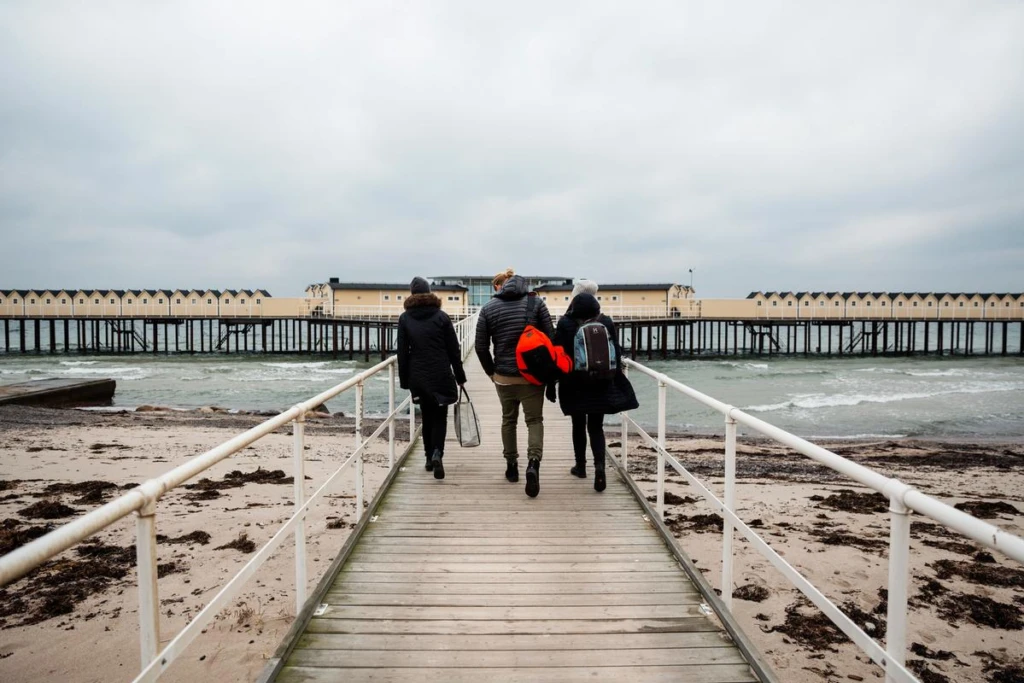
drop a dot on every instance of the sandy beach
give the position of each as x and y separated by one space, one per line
75 618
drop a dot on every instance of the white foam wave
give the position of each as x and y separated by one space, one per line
296 366
73 363
815 401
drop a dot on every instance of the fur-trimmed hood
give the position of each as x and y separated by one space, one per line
414 301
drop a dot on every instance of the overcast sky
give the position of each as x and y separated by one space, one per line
776 146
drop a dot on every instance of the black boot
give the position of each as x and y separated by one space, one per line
438 464
512 471
579 470
430 464
533 478
599 480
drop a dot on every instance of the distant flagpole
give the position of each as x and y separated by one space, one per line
691 279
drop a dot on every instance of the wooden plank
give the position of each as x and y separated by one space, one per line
357 587
588 556
379 549
722 673
526 599
501 627
592 612
573 577
514 567
513 641
460 659
538 544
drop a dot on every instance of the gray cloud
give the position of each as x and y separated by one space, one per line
775 146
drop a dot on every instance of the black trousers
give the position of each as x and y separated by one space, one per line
593 425
435 426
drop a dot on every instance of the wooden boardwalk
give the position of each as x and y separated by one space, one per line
468 579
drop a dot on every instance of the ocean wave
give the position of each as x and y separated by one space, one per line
73 363
335 371
815 401
296 366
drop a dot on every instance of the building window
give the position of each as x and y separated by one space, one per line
566 298
881 303
177 301
81 301
946 304
129 302
15 300
1007 304
975 304
227 300
853 303
789 303
615 297
387 297
242 302
111 301
193 302
259 301
47 302
758 303
397 298
209 302
807 303
915 304
900 304
63 302
930 304
837 303
961 304
159 301
31 301
598 297
145 301
867 303
775 303
95 301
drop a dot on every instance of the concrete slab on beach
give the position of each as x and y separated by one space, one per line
59 392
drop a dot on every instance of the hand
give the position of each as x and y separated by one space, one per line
462 385
549 392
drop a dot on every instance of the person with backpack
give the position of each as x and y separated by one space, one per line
502 322
429 366
597 386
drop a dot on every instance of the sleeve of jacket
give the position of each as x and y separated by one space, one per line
451 343
403 353
544 319
483 344
564 335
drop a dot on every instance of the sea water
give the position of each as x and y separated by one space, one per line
927 397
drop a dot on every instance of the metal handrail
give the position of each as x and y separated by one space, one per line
143 501
902 500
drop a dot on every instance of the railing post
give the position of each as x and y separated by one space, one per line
298 468
730 505
899 559
625 432
661 444
412 420
391 410
149 598
359 457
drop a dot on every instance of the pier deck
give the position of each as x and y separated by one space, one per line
468 579
58 392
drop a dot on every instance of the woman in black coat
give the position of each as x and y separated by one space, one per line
586 399
429 366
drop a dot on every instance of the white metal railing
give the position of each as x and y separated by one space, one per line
902 500
143 501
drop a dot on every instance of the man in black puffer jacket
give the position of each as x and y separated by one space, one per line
429 365
502 320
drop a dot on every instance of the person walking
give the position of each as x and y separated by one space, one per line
429 366
586 399
502 320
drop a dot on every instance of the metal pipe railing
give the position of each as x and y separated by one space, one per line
143 501
902 500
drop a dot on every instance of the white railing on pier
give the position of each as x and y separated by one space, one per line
143 501
902 500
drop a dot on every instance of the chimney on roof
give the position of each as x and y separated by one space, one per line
334 281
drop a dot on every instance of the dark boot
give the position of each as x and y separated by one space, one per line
435 460
599 480
533 478
512 470
579 470
430 464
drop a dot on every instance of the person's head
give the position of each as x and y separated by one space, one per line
501 277
419 286
585 306
584 286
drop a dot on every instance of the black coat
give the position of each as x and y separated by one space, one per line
577 392
502 320
429 359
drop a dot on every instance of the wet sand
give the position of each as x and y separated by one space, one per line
75 618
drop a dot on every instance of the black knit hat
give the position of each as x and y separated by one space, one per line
419 286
